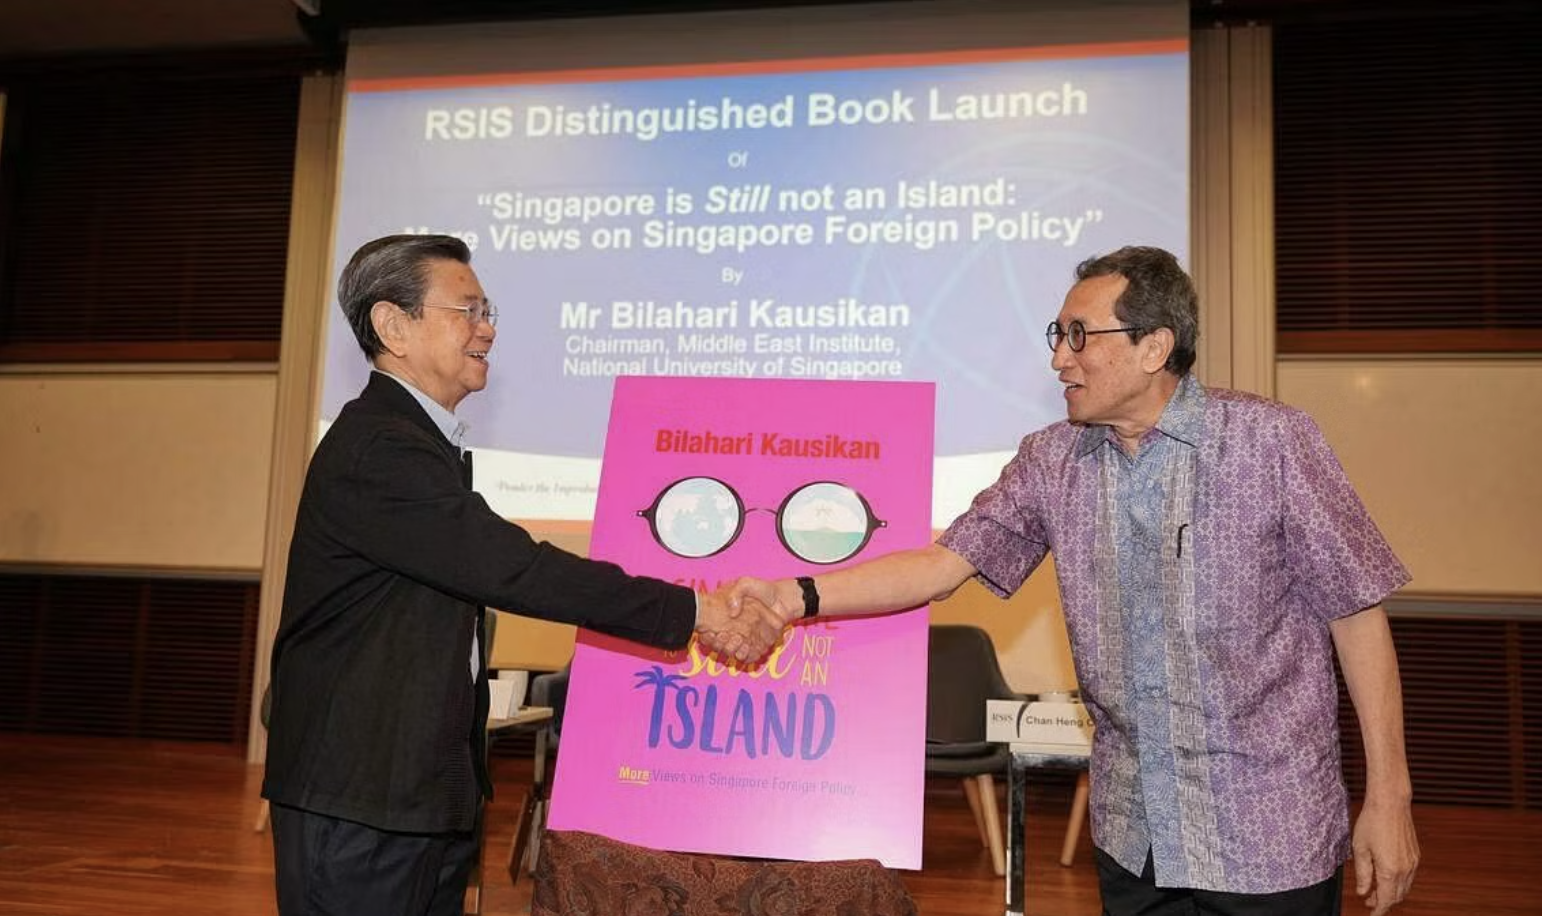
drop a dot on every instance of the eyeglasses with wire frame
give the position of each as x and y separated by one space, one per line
1075 334
475 314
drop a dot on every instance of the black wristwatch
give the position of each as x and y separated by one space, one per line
810 596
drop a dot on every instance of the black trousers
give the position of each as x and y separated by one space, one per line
329 867
1127 894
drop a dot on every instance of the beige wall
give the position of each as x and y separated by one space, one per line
162 470
1445 455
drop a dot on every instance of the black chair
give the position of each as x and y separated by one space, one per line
962 673
551 689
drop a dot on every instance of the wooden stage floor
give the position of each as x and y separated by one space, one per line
101 827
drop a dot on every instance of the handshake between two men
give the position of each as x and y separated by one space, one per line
743 620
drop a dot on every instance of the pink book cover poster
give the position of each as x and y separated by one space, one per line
818 753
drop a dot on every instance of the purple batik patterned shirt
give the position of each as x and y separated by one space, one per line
1207 667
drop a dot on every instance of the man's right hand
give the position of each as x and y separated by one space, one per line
745 630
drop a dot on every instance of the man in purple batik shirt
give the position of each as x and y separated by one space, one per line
1212 557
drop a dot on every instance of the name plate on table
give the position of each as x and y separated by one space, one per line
1055 727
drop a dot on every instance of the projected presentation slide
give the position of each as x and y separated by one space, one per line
911 217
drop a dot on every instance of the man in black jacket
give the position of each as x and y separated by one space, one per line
375 761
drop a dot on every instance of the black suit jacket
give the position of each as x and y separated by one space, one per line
375 718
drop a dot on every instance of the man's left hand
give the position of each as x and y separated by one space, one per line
1386 853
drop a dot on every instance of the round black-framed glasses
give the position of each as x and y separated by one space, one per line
1075 334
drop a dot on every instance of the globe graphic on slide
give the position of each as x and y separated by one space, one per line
697 517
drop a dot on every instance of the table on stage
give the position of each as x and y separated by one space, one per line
527 825
1026 757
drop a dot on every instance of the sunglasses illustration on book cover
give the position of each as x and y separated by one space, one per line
822 522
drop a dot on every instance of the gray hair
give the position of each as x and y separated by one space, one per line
1159 295
393 269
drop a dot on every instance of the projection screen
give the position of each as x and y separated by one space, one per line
873 191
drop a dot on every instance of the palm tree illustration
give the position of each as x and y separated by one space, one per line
661 683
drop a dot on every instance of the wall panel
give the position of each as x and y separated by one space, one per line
135 469
1444 452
